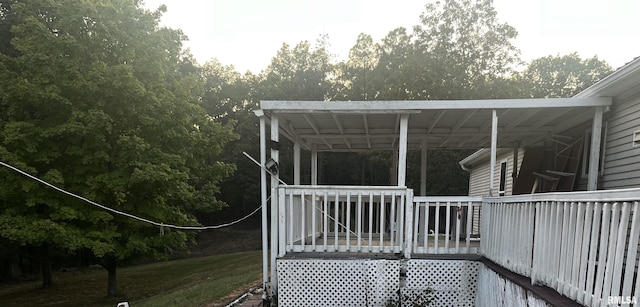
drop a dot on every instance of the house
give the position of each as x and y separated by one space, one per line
560 164
334 245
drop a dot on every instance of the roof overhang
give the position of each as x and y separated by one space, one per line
620 84
374 125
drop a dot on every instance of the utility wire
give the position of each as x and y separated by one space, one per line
305 200
15 169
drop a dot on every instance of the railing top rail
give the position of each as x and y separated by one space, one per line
344 188
584 196
422 199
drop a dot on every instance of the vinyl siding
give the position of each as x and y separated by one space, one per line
622 161
479 175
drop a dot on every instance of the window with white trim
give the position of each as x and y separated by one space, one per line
636 139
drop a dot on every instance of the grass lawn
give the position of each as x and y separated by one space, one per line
198 281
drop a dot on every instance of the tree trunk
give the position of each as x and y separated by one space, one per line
45 265
16 271
110 263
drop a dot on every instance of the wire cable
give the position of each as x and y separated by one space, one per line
103 207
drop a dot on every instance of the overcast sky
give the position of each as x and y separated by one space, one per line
248 33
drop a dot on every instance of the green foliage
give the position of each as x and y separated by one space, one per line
467 48
298 73
100 100
562 76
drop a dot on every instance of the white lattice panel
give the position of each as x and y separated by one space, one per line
362 282
384 281
349 282
454 281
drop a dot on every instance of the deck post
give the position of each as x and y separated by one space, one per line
275 156
408 222
594 155
494 148
423 168
394 167
263 202
314 164
402 154
296 163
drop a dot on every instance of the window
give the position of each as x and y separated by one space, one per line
636 139
503 178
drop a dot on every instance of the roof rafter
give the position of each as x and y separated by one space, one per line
366 129
340 128
315 128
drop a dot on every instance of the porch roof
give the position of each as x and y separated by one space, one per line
375 125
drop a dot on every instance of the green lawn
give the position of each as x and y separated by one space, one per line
188 282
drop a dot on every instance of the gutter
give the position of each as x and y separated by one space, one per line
463 163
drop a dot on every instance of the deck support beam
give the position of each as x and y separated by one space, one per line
263 202
423 168
314 164
275 156
494 149
594 154
296 163
402 150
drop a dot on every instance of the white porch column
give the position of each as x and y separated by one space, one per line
423 168
494 148
394 167
296 163
314 164
402 154
594 154
275 155
263 202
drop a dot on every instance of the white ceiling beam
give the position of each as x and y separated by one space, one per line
469 115
366 129
435 122
551 117
315 128
521 119
340 128
396 130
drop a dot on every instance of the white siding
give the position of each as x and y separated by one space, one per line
622 160
479 175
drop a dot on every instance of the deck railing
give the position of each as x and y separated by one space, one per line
342 219
446 224
583 244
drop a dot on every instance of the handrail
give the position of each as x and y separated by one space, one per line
582 244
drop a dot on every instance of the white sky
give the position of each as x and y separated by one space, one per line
248 33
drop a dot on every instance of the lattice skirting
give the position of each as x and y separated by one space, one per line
366 282
454 281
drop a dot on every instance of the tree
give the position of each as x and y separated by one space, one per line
101 101
466 47
355 77
562 76
229 97
298 73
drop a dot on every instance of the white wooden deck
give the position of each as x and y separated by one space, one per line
582 244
